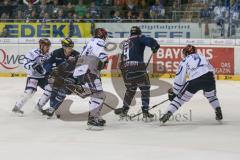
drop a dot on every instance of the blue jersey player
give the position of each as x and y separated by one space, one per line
134 70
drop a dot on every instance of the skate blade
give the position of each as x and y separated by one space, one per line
94 128
125 118
146 120
52 117
17 114
161 124
219 121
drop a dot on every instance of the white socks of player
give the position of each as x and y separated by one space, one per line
24 98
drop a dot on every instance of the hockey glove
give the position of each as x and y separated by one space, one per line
155 49
102 65
81 80
171 94
38 67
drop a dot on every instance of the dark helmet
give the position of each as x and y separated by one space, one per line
67 42
44 41
189 49
100 33
135 30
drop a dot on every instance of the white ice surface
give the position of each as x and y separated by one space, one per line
34 137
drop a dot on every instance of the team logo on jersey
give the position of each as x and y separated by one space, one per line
6 60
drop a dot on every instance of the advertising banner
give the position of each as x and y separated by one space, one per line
156 30
47 29
12 53
168 58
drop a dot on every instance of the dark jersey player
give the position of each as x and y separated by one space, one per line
134 70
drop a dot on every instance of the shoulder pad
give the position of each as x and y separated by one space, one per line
34 52
100 43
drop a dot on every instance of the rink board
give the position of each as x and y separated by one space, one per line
223 54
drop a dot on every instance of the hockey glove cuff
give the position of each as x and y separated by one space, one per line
155 49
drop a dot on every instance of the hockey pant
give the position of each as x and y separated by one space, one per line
205 82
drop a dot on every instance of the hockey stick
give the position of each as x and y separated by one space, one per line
73 91
109 106
149 108
149 60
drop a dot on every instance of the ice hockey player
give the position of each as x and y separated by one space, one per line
87 72
201 77
33 62
134 70
59 57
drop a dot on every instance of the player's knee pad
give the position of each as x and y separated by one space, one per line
145 87
31 84
95 102
131 89
145 91
47 91
45 97
61 95
212 98
95 105
210 95
56 101
186 96
48 88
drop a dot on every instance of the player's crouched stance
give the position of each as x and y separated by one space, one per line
201 77
87 72
33 62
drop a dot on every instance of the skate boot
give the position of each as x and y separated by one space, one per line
94 123
218 113
49 112
102 121
146 114
17 111
122 112
165 117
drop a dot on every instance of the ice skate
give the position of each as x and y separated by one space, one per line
218 113
102 121
49 112
122 112
17 111
147 116
95 124
165 117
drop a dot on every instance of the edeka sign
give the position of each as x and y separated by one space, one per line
156 30
47 29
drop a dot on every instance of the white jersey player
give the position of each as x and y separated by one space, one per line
33 62
201 77
87 71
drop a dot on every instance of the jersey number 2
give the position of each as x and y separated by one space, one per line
199 61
